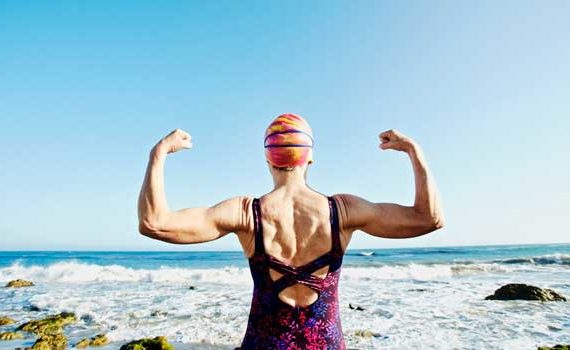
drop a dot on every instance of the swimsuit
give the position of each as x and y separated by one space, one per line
274 324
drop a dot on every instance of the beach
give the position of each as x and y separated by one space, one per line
408 298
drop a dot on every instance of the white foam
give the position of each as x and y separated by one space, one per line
81 272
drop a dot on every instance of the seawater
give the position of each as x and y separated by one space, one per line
414 298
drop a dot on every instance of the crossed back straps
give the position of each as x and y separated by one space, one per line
301 274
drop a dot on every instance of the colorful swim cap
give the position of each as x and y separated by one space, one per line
289 141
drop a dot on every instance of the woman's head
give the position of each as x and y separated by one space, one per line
288 142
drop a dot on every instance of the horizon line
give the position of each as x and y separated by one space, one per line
236 251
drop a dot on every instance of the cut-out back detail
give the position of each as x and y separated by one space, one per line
274 324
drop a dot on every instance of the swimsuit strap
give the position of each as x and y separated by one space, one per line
335 227
258 229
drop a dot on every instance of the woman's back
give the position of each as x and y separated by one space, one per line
295 267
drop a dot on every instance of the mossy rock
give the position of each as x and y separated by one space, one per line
519 291
157 343
50 325
6 321
98 340
50 342
83 343
555 347
11 336
19 283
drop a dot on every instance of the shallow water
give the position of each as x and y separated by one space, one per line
426 298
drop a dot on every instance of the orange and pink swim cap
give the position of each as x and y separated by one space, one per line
289 141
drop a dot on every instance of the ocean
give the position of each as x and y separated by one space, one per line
412 298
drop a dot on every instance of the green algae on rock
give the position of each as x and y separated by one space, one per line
83 343
6 321
98 340
519 291
11 336
50 342
50 325
157 343
555 347
19 283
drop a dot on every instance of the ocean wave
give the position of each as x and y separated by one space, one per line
78 272
551 259
71 271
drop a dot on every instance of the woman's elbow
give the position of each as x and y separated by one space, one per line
150 228
435 223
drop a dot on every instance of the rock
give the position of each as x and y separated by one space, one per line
98 340
518 291
6 321
157 343
366 333
11 336
50 342
555 347
19 283
192 288
32 308
157 313
50 325
83 343
355 307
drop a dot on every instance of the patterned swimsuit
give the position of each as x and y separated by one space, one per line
274 324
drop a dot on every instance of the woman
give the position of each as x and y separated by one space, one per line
293 236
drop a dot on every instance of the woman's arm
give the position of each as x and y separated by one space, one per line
190 225
391 220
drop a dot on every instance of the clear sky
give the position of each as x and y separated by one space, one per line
87 88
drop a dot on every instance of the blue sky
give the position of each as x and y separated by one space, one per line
86 89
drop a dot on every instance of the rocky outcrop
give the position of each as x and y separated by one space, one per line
50 325
19 283
50 342
98 340
519 291
157 343
11 336
6 321
555 347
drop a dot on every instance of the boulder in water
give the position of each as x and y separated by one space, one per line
50 325
355 307
83 343
50 342
366 333
6 321
19 283
519 291
555 347
157 343
98 340
11 336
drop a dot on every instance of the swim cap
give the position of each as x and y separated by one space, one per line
289 141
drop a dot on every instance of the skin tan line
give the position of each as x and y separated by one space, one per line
295 217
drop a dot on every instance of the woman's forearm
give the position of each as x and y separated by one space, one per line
427 200
152 205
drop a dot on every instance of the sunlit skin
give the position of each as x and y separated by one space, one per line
295 217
